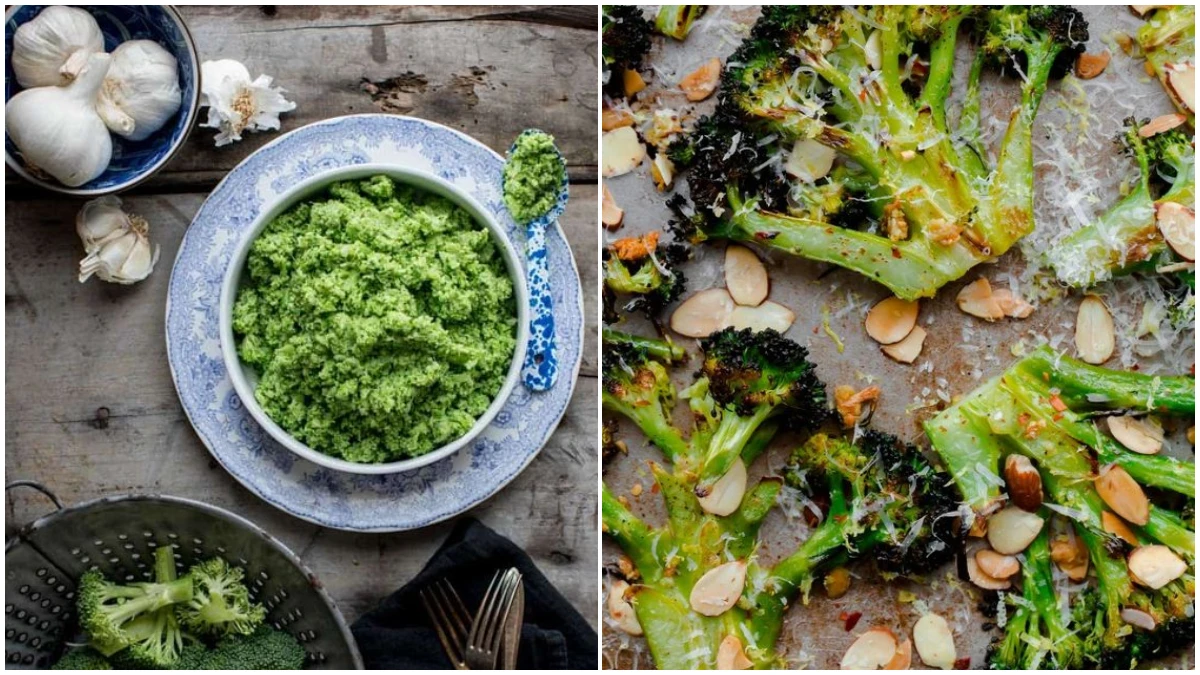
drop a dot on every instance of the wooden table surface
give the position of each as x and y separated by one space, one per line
78 352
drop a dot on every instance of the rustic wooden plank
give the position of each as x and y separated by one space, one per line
74 348
490 72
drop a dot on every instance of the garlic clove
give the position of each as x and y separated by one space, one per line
100 221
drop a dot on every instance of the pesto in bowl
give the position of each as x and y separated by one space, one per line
380 319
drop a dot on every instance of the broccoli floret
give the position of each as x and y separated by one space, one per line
661 350
639 387
1168 41
221 604
676 21
646 275
116 616
263 649
82 658
625 38
820 86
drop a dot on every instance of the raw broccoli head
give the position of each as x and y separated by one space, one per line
107 611
1032 38
264 649
650 276
156 642
82 658
748 370
221 604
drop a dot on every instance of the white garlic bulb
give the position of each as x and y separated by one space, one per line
237 104
117 243
57 129
141 91
43 46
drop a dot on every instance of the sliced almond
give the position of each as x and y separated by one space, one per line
837 582
1024 482
982 579
1143 10
1141 435
872 650
703 314
1011 529
731 655
908 349
621 610
1069 553
745 276
810 160
903 658
1123 495
702 82
662 171
1011 304
1160 124
873 51
719 589
767 315
891 320
935 642
1089 65
1178 226
610 214
1095 336
726 494
622 152
633 82
1113 525
1155 566
1136 617
614 119
977 299
1181 79
1191 435
996 565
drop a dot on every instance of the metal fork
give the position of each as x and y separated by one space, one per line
450 619
487 630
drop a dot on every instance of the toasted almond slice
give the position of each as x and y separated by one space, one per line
1160 124
745 276
731 655
873 50
719 588
872 650
903 658
621 610
1141 435
935 642
1012 304
977 299
614 119
996 565
1123 495
662 171
908 349
767 315
1143 10
837 582
1024 482
610 214
703 314
1095 336
702 82
726 494
1191 435
1011 529
1178 226
1089 65
1068 552
984 580
1136 617
891 320
633 82
622 152
1155 566
810 160
1181 79
1113 525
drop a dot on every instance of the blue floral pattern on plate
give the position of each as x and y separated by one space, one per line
333 499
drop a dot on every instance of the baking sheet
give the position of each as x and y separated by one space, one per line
1078 121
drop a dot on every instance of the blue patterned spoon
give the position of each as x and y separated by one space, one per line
540 370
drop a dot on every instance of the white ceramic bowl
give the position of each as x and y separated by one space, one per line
245 379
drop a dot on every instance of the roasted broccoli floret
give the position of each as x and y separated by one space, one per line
642 276
676 20
1126 238
851 103
221 604
82 658
263 649
658 349
639 387
118 616
1168 41
625 39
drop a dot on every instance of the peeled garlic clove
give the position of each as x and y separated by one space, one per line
719 589
726 494
1012 529
935 642
810 160
42 47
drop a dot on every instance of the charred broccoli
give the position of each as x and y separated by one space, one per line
625 39
641 276
676 21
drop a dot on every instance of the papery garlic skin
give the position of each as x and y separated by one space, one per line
237 104
117 243
141 91
42 46
57 129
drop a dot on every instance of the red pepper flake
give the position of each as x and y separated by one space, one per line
1057 403
896 253
654 489
850 619
765 236
1057 417
963 664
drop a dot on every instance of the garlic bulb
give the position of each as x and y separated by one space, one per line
117 243
57 129
141 91
237 104
43 46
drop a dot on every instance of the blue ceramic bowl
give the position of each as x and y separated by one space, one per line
132 161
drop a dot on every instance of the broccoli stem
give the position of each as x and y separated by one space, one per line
634 536
1084 387
1123 239
970 453
651 420
1155 470
1060 642
1166 528
941 72
973 155
731 437
676 21
164 565
662 350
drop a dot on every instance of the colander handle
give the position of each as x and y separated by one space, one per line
58 505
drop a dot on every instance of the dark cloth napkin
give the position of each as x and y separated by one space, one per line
398 634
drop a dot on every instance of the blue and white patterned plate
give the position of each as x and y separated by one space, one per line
333 499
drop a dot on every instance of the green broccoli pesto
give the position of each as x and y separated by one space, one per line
533 176
381 320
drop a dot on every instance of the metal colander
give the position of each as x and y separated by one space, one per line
118 535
